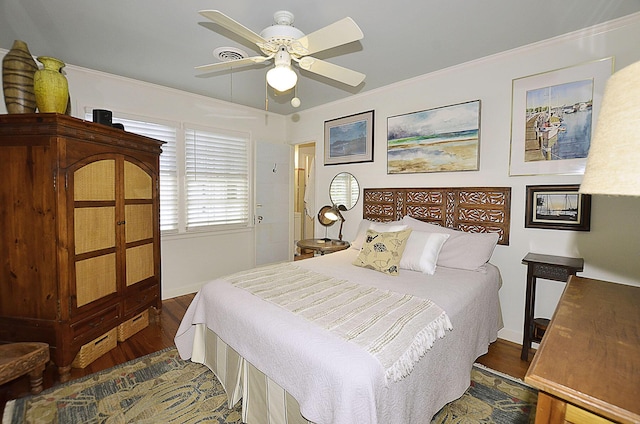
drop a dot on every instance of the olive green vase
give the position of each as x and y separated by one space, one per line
50 86
18 69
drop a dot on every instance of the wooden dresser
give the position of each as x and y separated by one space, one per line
588 365
79 231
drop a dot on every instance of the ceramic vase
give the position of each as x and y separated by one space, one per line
50 86
18 69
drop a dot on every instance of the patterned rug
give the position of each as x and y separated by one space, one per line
162 388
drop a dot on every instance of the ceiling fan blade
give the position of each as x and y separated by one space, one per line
338 33
232 64
329 70
231 25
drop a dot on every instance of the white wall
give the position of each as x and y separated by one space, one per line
611 249
187 261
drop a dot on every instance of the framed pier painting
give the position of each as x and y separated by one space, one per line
349 139
435 140
557 207
553 116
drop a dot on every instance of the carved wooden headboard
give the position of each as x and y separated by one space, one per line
470 209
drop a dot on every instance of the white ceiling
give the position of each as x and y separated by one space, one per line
161 41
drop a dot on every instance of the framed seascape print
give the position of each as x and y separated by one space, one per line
441 139
552 118
349 139
558 207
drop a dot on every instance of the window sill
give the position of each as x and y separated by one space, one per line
168 236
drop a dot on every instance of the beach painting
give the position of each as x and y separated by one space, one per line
349 139
435 140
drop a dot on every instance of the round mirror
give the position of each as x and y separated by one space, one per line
344 190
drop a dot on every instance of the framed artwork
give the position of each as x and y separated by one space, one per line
349 139
552 118
441 139
558 207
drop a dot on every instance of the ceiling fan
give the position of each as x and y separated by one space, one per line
284 43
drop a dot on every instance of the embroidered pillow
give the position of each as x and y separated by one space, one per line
382 227
383 251
421 252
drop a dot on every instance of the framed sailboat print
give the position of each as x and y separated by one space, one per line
553 116
558 207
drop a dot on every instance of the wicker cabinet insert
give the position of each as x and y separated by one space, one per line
79 229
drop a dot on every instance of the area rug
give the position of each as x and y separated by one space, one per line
493 397
162 388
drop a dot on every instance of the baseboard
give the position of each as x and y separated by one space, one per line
510 335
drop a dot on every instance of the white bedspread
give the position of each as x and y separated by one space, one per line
396 328
335 381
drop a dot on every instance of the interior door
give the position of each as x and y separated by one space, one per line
273 198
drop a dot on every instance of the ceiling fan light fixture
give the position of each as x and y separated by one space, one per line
282 78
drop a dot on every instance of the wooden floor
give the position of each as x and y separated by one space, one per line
503 356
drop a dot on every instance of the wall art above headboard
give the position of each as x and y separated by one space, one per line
470 209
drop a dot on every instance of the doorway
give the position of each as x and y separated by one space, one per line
304 183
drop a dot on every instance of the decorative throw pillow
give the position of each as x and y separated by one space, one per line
383 251
382 227
421 252
470 251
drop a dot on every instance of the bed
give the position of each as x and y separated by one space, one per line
266 336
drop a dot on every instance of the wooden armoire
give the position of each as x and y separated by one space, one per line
79 230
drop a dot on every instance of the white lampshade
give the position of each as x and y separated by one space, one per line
282 77
613 165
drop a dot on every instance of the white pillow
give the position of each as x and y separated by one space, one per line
421 252
462 250
381 227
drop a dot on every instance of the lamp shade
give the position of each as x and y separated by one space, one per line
613 164
282 77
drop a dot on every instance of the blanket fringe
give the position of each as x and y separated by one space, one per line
423 342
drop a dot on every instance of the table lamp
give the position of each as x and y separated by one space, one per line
613 164
328 215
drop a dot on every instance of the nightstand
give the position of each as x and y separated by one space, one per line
549 267
323 246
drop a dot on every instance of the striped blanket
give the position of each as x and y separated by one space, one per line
397 329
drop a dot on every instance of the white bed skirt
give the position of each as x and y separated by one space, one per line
263 400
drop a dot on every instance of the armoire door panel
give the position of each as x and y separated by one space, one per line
95 181
139 222
140 265
94 229
95 278
137 183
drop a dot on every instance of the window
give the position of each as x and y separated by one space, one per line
217 178
204 175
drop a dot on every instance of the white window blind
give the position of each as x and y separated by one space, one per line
217 178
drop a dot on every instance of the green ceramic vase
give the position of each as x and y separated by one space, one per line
50 86
18 68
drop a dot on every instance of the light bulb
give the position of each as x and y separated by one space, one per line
295 102
331 215
282 78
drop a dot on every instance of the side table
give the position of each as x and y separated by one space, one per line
323 246
550 267
18 359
